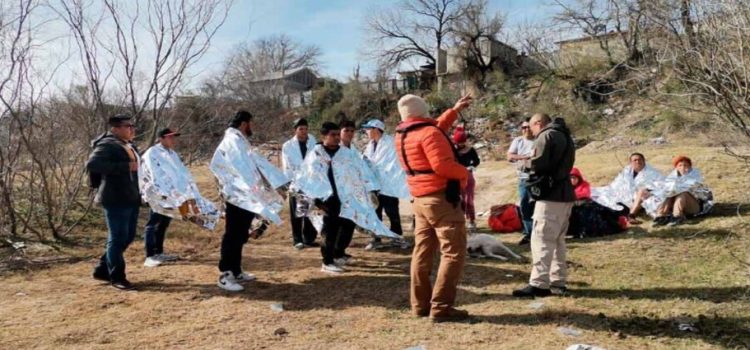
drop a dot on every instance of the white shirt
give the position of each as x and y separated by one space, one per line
523 147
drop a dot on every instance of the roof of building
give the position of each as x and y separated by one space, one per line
283 74
587 38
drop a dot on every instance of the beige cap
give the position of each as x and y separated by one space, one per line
412 106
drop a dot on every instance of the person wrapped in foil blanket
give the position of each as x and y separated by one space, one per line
674 184
169 189
291 155
384 162
247 179
625 187
348 173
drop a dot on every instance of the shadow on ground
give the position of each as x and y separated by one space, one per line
729 332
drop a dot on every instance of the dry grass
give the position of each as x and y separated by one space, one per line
631 291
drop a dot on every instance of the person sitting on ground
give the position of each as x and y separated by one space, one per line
591 219
581 187
630 188
683 193
469 158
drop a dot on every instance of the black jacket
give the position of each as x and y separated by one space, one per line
554 155
110 161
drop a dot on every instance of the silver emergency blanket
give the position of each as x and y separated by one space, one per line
247 179
169 189
674 184
291 155
385 164
312 181
625 186
368 175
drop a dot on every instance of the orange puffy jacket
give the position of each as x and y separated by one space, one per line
430 154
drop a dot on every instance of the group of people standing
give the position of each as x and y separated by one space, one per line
332 188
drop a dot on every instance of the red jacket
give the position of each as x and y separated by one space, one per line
428 149
583 190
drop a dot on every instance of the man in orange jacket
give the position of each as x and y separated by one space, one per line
435 178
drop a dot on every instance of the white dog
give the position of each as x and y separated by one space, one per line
484 245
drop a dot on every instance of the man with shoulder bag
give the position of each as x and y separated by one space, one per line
435 178
550 187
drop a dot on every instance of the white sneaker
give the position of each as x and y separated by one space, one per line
341 261
228 282
152 261
374 245
299 246
244 277
331 269
166 257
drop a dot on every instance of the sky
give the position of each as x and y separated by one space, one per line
336 26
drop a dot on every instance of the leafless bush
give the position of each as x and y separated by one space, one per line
41 160
706 56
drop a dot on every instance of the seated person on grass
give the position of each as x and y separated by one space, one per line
682 194
630 187
591 219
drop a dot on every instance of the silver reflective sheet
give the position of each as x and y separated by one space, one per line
166 184
312 181
368 175
692 182
247 179
385 164
291 155
625 186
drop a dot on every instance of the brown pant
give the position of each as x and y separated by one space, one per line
548 244
438 224
680 205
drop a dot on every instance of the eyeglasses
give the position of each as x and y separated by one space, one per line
524 127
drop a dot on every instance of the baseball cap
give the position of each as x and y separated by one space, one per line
374 124
168 132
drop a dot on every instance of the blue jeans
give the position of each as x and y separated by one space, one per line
153 235
122 223
527 208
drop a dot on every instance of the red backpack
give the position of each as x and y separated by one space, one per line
504 218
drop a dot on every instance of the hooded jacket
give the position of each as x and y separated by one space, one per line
111 163
583 189
554 156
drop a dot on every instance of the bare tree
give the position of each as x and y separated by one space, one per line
613 23
411 29
713 66
259 59
477 31
41 185
149 49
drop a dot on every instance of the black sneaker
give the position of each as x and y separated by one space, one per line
101 276
676 221
531 292
524 241
662 220
558 291
123 285
312 244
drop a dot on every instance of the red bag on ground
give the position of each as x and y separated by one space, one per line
504 218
